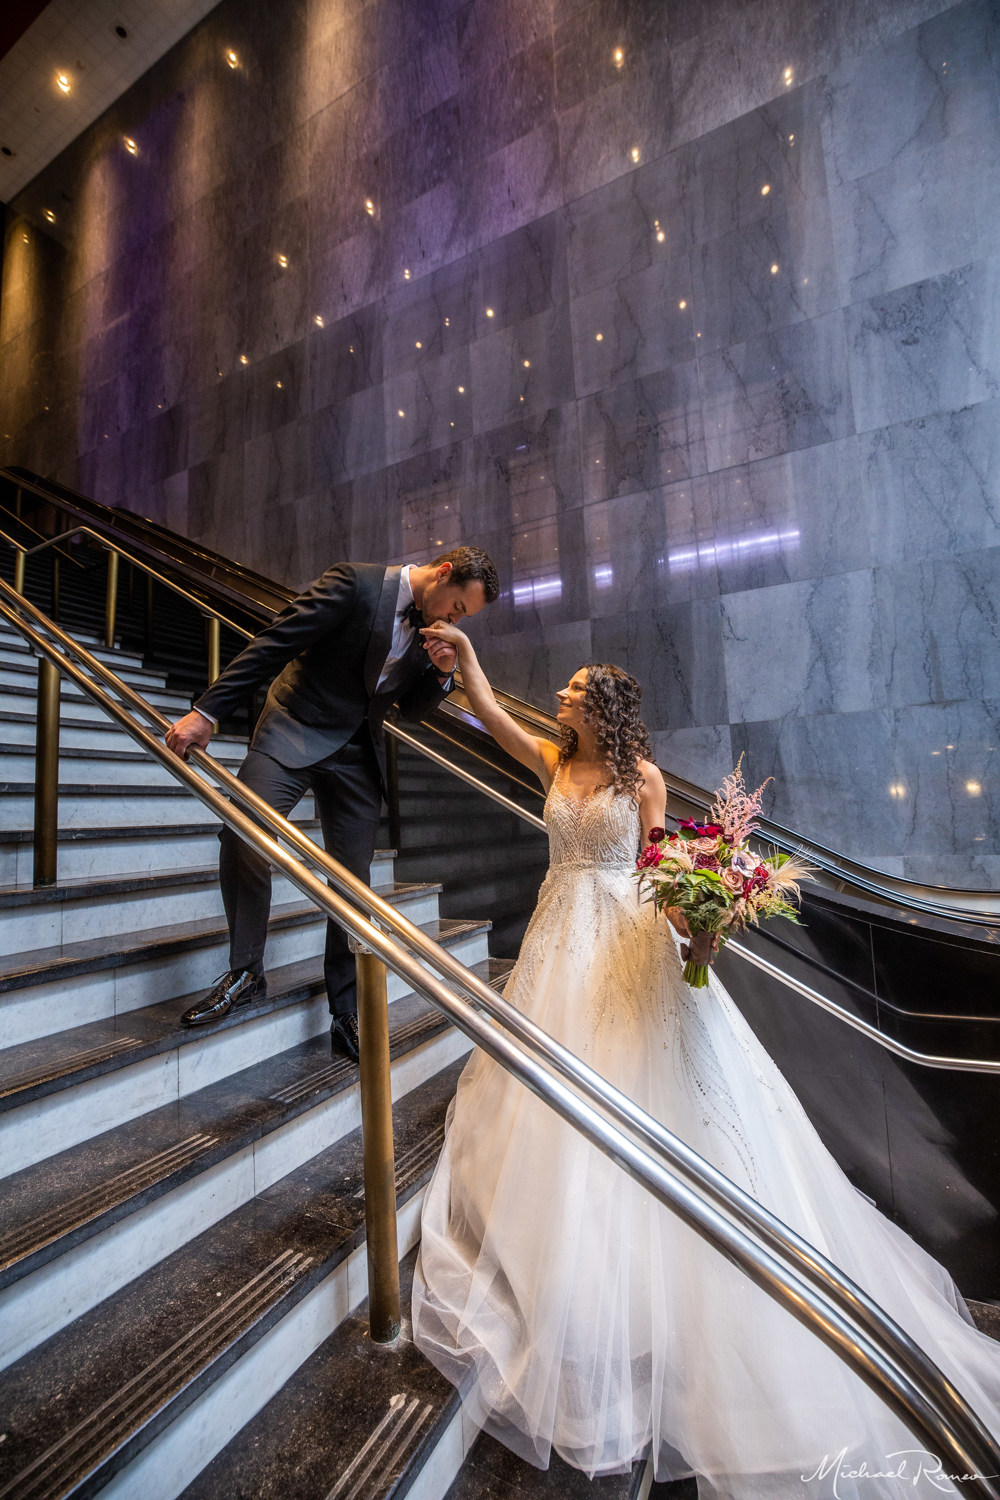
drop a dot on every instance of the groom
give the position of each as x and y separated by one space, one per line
336 658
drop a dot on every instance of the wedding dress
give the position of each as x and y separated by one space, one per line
574 1312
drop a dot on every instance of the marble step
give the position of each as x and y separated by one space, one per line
139 1393
45 993
93 853
99 768
85 805
100 734
384 1420
76 1084
19 692
74 912
492 1472
88 1220
14 648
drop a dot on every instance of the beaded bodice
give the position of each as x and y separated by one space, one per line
601 831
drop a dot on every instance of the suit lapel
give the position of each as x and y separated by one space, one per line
381 637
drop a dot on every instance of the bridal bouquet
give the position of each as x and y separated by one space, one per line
708 871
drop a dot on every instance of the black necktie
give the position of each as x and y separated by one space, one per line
411 614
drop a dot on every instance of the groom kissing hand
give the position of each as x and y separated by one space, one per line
336 658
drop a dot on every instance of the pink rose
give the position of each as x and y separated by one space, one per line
733 881
704 845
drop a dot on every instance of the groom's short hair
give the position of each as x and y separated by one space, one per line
472 565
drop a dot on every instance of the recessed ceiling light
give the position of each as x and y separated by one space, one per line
63 83
130 146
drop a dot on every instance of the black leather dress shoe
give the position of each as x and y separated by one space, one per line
238 987
344 1037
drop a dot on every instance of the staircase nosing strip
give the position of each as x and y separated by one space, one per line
390 1419
408 1438
98 1199
279 1273
18 1082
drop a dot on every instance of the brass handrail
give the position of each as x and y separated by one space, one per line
863 1335
201 605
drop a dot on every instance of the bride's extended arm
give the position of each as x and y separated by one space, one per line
538 755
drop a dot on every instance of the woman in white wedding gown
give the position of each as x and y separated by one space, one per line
574 1312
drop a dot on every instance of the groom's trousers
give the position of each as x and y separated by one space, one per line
347 792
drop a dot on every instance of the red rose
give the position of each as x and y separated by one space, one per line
657 835
651 855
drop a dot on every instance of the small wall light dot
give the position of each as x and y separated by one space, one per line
788 75
461 390
277 384
765 190
318 320
634 153
447 322
232 59
418 345
949 747
897 789
50 216
619 57
527 364
282 261
660 236
521 398
351 348
24 238
63 83
244 360
682 304
599 337
489 312
451 424
369 207
973 788
775 269
791 140
406 275
130 146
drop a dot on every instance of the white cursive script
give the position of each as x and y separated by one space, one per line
914 1464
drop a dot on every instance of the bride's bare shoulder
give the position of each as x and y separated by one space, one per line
651 775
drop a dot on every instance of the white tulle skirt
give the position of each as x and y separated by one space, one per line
575 1313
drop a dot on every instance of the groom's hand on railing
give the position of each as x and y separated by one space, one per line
192 730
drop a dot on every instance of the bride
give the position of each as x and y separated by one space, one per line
574 1312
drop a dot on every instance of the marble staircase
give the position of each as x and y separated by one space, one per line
182 1256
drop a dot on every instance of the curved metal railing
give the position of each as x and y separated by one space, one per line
778 1260
246 590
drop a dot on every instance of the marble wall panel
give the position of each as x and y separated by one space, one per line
932 486
544 231
940 626
804 648
789 389
930 347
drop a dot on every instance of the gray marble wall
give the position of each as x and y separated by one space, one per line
686 309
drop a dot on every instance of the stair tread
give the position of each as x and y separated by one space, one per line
47 1208
72 752
492 1472
121 885
11 716
308 1436
18 970
132 831
135 669
62 1402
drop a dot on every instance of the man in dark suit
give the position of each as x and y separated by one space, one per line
336 659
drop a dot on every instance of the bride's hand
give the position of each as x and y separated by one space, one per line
440 630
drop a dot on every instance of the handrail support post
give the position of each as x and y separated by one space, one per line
46 842
379 1160
111 600
214 648
20 557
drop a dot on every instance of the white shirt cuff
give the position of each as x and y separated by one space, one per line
205 717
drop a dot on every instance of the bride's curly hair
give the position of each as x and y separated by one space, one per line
611 706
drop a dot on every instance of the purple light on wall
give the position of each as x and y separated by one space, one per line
718 552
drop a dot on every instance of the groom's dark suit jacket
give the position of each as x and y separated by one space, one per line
323 655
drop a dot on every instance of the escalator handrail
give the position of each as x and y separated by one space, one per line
841 1314
260 597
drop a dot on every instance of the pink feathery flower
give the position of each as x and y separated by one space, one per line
736 808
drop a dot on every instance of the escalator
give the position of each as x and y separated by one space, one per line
916 966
